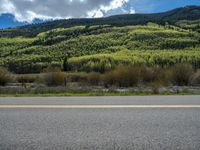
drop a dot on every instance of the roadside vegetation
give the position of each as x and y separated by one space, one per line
140 77
5 76
145 53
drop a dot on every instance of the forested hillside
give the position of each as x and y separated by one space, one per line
102 44
171 17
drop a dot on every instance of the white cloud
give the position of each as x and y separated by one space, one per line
132 10
27 10
6 6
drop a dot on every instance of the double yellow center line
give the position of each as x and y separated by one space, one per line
94 106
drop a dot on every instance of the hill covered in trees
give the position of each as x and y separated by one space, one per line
101 44
171 17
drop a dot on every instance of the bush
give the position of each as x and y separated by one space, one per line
122 77
94 78
162 76
158 78
181 74
5 76
148 74
23 79
26 79
77 77
133 75
196 78
155 86
54 77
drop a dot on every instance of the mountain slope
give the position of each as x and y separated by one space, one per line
51 48
122 40
173 16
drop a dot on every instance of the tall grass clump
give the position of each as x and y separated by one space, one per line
5 76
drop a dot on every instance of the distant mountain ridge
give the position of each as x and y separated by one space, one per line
171 17
8 20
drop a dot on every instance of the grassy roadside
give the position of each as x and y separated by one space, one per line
92 94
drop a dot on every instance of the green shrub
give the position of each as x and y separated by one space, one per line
181 74
5 76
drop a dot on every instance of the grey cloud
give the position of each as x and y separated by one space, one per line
27 10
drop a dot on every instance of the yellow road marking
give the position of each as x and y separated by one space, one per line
99 106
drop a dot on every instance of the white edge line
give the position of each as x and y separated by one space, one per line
99 106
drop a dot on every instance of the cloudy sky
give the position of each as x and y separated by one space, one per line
17 12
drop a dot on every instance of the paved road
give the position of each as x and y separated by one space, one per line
150 128
136 100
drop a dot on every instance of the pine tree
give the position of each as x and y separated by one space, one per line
65 64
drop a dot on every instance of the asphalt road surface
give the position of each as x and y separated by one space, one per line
100 123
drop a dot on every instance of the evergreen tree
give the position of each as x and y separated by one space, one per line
65 64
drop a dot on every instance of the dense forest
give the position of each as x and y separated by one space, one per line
100 45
